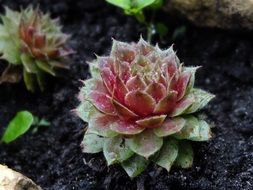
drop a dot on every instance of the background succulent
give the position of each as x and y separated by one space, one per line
33 44
139 105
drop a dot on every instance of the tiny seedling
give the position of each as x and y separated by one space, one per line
20 124
136 8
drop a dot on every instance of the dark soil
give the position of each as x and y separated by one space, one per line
52 156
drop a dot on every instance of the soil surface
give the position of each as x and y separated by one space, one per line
52 156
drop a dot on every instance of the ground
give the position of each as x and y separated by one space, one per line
52 157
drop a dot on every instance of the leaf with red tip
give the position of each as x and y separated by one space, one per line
167 104
126 128
182 106
123 111
181 84
170 126
171 65
102 102
144 47
135 83
140 102
152 122
100 125
108 79
145 144
156 90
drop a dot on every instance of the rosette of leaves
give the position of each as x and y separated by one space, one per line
33 45
139 105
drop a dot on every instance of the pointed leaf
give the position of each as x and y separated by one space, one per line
201 100
29 80
182 106
44 66
145 143
190 85
167 154
185 155
123 51
92 143
151 122
126 128
170 126
181 84
116 150
41 80
135 83
167 104
135 165
29 63
140 102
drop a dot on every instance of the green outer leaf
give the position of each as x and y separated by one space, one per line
204 132
40 76
135 165
167 154
201 100
86 110
195 130
92 143
145 143
29 81
116 150
44 66
185 155
18 126
191 83
29 63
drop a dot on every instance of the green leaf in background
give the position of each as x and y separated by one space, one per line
18 126
162 29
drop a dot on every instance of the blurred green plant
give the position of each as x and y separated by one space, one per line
136 8
20 124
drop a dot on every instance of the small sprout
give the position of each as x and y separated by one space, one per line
20 124
33 45
139 105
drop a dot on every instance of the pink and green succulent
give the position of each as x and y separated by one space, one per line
139 106
33 44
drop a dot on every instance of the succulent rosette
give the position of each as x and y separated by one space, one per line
33 44
139 105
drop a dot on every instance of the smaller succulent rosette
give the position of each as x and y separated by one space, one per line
33 44
139 105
